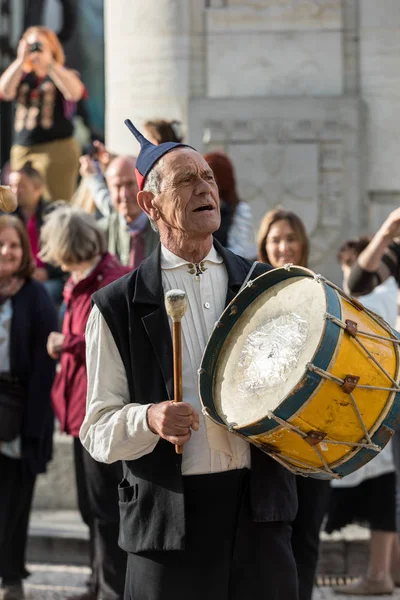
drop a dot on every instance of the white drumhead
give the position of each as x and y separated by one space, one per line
265 354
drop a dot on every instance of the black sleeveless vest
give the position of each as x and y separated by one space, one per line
151 495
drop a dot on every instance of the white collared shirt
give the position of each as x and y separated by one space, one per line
114 430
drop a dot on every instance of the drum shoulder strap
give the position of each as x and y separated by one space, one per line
249 274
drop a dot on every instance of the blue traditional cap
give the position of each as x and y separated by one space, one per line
149 153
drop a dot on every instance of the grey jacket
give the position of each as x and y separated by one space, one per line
119 239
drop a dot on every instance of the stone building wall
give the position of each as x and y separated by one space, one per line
302 94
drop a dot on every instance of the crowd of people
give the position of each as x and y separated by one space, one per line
105 373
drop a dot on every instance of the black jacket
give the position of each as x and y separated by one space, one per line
33 318
152 503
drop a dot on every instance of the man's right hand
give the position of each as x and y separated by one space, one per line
88 166
173 421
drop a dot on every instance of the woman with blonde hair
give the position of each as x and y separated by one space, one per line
283 239
46 93
72 240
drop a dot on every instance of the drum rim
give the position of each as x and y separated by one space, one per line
345 465
322 356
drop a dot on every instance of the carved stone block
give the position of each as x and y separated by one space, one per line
332 199
331 156
274 64
380 205
300 153
276 15
278 174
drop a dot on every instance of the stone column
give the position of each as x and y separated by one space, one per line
351 47
147 65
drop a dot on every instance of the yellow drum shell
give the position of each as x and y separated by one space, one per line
329 409
288 399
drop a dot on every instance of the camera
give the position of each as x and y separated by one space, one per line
92 150
36 47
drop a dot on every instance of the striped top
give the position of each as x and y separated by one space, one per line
11 449
363 282
42 113
241 239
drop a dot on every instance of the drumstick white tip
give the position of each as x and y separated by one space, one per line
175 304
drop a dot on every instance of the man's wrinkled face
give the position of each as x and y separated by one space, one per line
188 200
123 188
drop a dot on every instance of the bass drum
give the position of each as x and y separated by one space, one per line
304 372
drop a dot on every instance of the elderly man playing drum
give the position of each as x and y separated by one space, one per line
214 521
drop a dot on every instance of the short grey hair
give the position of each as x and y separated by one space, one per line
69 235
154 178
153 184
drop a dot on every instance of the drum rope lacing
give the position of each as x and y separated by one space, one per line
363 333
371 356
341 382
359 306
369 444
291 462
284 423
357 333
279 458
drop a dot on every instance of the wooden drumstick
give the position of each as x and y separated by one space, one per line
8 201
175 304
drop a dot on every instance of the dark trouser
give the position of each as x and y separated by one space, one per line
227 556
16 492
396 460
98 504
313 496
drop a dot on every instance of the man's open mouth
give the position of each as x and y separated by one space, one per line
204 208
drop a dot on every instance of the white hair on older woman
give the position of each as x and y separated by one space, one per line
70 236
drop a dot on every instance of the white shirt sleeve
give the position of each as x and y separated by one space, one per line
383 300
241 233
113 429
100 192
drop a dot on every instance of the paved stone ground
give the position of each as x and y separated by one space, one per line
328 594
56 582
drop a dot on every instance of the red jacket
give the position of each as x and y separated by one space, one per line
70 385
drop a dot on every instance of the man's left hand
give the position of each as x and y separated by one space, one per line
103 155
